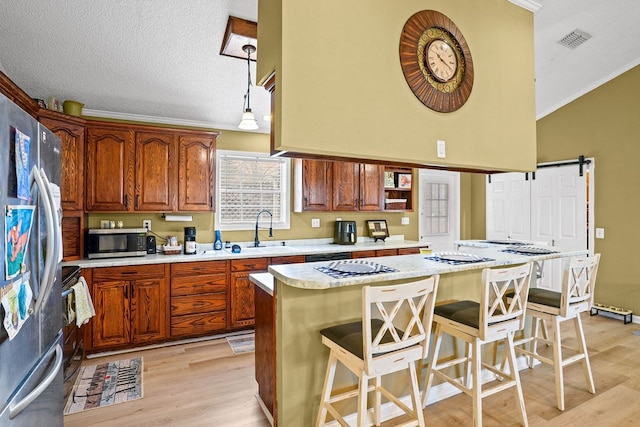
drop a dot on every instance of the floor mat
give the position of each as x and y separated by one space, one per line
242 343
106 384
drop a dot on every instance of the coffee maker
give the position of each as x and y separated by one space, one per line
345 233
189 240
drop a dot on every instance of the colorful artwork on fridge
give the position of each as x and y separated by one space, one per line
22 144
18 224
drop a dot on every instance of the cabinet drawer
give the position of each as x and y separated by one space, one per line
206 283
198 324
287 259
387 252
249 264
198 304
408 251
202 267
363 254
132 272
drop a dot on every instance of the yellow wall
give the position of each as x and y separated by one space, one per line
340 89
602 124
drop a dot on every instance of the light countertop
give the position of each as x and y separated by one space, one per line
205 252
407 266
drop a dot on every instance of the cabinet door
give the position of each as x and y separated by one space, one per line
316 185
242 300
72 143
371 187
109 169
156 171
111 324
196 173
149 310
346 186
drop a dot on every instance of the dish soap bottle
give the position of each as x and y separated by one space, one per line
217 244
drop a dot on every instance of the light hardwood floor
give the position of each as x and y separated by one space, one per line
204 384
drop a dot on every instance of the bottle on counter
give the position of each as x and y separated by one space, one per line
217 244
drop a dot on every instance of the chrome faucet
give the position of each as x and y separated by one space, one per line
256 241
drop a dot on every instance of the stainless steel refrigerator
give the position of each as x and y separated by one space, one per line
31 391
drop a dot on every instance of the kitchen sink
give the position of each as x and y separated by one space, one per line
266 249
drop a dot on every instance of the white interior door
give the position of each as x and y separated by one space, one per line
559 203
552 208
439 208
508 206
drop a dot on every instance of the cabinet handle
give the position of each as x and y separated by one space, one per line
126 292
137 198
126 201
198 304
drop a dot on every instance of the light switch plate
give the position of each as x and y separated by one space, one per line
405 220
315 222
441 149
599 233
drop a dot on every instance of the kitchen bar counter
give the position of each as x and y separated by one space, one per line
205 252
305 300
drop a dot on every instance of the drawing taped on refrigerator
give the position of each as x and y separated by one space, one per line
31 392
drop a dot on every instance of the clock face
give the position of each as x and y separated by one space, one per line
436 61
441 60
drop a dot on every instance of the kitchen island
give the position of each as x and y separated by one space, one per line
305 300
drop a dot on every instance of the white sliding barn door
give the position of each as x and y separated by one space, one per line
551 209
508 207
559 215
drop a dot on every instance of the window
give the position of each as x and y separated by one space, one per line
437 208
248 183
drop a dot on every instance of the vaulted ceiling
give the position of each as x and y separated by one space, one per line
160 59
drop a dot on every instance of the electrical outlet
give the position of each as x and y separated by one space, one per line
405 220
599 233
315 222
146 223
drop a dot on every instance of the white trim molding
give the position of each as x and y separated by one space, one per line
530 5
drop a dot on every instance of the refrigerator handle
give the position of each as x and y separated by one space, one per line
14 410
50 258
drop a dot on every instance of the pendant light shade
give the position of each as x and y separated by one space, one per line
248 121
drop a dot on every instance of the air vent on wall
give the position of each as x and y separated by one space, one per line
574 39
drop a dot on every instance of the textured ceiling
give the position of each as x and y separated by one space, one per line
161 58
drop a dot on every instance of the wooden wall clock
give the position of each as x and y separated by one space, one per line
436 61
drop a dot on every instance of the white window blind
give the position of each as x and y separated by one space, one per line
248 183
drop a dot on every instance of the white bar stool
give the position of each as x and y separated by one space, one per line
392 335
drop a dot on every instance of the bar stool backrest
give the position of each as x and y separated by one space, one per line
579 284
499 314
396 318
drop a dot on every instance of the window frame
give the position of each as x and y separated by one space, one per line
285 192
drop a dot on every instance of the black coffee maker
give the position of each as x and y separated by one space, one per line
345 233
189 240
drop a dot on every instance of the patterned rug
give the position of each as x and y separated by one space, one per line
106 384
244 343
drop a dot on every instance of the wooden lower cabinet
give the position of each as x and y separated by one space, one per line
131 305
242 290
199 292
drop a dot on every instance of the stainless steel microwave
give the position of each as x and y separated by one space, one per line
116 242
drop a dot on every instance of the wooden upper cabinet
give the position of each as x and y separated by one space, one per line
196 173
371 187
71 136
109 181
156 171
346 186
316 185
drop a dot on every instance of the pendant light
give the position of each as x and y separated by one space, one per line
248 121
